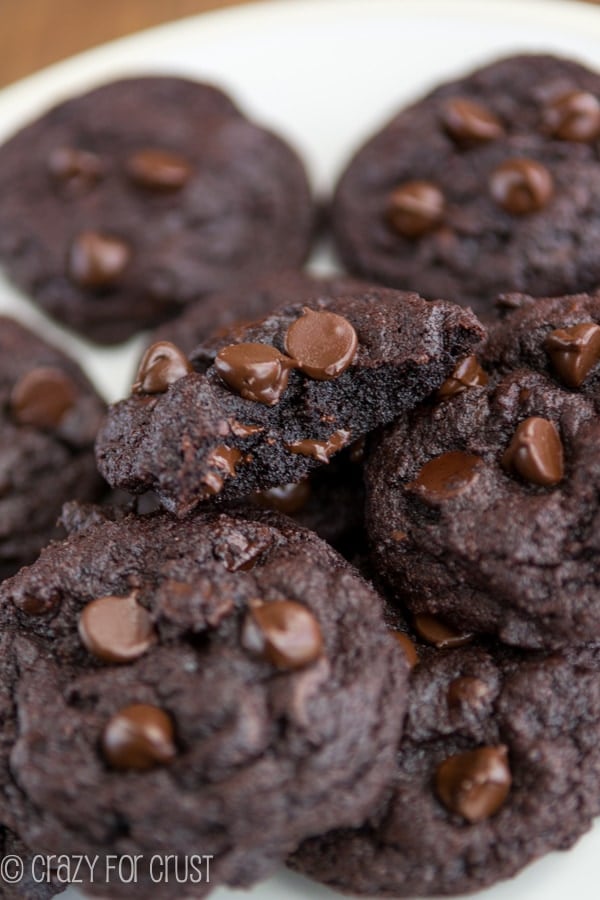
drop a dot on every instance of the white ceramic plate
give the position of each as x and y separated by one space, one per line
325 73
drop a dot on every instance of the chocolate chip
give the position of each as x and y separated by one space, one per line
467 691
445 476
574 116
521 186
97 260
284 633
38 605
162 364
437 633
468 373
42 398
474 784
321 450
536 452
574 352
224 459
469 122
289 498
415 208
255 371
78 169
139 737
410 651
116 629
322 343
159 170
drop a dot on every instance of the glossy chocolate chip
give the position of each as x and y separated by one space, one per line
574 116
321 450
256 372
521 186
469 122
139 737
224 459
162 365
78 169
437 633
284 633
42 398
289 498
468 373
408 647
322 343
474 784
446 476
116 629
536 452
158 170
415 207
97 260
574 351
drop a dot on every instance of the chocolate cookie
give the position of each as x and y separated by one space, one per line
49 415
244 304
22 878
497 766
265 404
483 507
490 183
124 204
223 686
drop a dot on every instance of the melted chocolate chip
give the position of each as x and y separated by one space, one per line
38 606
284 633
445 476
225 460
574 352
289 498
437 633
468 373
574 116
42 398
256 372
162 364
536 452
474 784
521 186
415 208
158 170
321 450
469 122
410 651
97 260
77 169
322 343
116 629
139 737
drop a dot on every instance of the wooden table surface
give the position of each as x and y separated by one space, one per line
35 33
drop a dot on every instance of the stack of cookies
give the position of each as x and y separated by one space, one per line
325 586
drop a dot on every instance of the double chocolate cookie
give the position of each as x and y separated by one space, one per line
124 204
49 416
222 686
489 184
245 303
263 405
497 766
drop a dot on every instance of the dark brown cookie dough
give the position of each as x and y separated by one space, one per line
124 204
270 402
49 415
221 685
489 184
482 507
497 766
